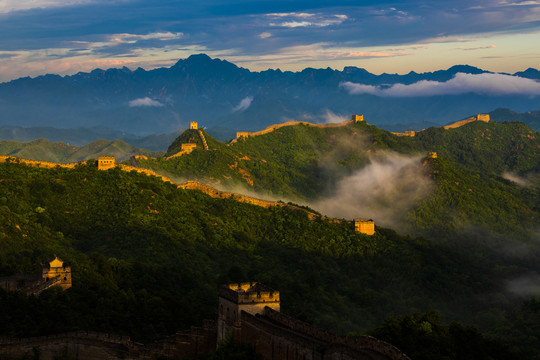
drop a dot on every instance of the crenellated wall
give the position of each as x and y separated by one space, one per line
271 128
195 185
410 133
277 336
83 345
36 163
479 117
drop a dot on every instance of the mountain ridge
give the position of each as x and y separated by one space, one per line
221 94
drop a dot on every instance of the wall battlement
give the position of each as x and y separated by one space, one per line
195 185
271 128
359 343
410 133
36 163
249 293
478 117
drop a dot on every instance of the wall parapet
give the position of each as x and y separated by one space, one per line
252 293
271 128
37 163
478 117
362 342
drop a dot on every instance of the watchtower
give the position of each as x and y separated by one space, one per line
357 118
234 298
57 271
106 162
193 125
242 134
482 117
364 226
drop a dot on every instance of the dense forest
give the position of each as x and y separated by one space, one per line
472 185
454 259
147 259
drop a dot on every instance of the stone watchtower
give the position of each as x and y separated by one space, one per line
364 226
357 118
250 297
106 162
58 272
482 117
193 125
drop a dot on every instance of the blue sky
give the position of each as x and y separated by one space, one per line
68 36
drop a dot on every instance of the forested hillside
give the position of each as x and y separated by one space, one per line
485 179
147 259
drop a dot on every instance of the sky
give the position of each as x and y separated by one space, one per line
68 36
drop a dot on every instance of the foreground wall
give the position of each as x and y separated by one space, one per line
99 346
279 337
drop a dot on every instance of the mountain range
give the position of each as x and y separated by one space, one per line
227 98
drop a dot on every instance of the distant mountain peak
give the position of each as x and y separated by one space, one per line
467 69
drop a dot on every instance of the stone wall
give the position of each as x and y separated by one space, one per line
479 117
363 346
195 185
99 346
271 128
147 172
185 149
35 163
406 133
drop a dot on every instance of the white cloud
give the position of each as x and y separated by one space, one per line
484 84
521 3
330 118
385 190
146 101
132 38
7 6
294 20
265 35
477 48
244 104
525 285
521 181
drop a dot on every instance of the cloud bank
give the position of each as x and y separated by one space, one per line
483 84
331 118
385 190
521 181
244 104
146 101
526 285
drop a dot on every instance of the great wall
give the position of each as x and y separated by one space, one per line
271 128
478 117
361 225
247 312
274 335
54 272
454 125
